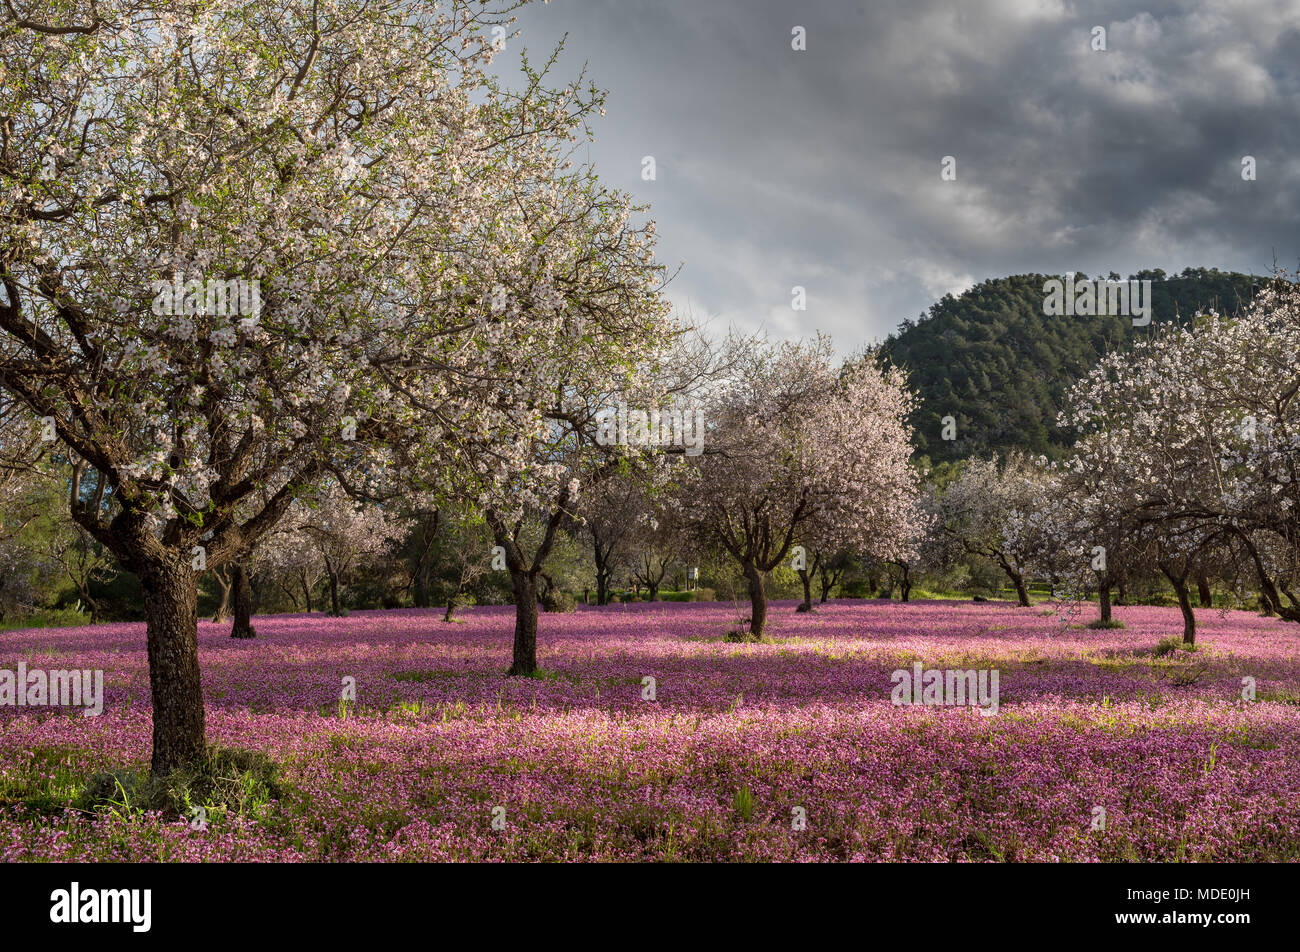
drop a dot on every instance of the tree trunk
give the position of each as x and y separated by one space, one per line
451 607
1203 593
1018 580
1179 582
1189 618
1268 592
807 591
757 601
602 576
905 583
335 610
170 592
525 650
1291 613
1123 592
421 596
306 590
243 627
289 594
223 606
1103 596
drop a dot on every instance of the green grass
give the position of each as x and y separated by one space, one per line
228 781
1167 646
1107 623
53 618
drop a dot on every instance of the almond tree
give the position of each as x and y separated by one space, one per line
342 531
1206 424
993 510
241 243
795 437
609 514
826 544
653 543
288 557
619 349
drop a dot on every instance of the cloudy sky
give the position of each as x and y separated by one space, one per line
821 168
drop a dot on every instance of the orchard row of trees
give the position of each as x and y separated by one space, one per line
447 309
445 304
444 295
1185 467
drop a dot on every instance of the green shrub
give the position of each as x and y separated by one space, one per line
704 595
228 780
855 588
557 600
1106 623
1168 646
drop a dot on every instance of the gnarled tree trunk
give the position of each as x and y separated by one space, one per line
170 590
1203 593
335 609
223 604
757 601
243 627
1189 617
603 573
1018 581
807 592
828 581
905 581
524 659
1179 582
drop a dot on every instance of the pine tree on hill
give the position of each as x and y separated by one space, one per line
996 363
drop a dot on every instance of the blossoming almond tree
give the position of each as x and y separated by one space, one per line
1206 422
555 464
795 437
342 531
610 515
619 348
289 560
993 510
241 243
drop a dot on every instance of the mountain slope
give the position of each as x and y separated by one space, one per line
1001 367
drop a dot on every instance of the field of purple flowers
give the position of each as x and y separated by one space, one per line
784 750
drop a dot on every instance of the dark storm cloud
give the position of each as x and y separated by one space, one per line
821 168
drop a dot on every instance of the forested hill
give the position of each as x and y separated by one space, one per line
996 363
